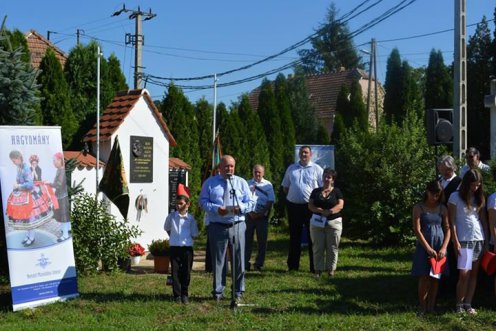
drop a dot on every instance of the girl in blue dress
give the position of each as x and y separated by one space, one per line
431 227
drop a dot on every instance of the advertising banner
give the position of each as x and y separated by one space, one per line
323 155
36 212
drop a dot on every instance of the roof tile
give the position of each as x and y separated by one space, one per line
38 45
115 114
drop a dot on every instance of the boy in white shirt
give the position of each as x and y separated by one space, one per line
181 227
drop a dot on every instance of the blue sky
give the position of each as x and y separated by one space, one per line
191 38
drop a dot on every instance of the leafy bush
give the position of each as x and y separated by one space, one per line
159 247
382 175
98 235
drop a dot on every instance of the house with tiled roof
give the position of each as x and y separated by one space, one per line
38 45
144 139
323 90
84 173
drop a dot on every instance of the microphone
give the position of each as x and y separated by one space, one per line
229 179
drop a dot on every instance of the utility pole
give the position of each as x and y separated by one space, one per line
374 44
460 81
138 39
78 35
370 76
373 65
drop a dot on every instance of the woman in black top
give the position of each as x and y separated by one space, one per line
326 225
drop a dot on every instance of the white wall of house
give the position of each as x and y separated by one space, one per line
87 177
142 122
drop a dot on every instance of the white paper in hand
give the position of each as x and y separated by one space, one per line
318 221
433 275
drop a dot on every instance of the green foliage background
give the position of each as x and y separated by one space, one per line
98 235
382 175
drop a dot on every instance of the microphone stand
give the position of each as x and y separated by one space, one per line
234 305
235 204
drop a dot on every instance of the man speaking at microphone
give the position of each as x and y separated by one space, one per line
226 199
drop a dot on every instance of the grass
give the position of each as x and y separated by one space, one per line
372 290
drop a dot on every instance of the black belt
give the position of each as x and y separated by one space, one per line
226 225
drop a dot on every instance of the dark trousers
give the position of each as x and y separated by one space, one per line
298 215
182 262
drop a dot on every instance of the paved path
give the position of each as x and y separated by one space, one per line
146 264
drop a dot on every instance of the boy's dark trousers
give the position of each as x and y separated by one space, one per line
182 262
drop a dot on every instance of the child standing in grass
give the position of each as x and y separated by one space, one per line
431 227
182 228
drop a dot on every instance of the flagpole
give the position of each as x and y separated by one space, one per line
97 117
213 124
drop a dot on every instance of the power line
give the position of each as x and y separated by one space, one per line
429 34
320 31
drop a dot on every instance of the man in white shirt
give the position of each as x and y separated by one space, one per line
472 156
300 179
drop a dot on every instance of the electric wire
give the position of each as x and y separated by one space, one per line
320 31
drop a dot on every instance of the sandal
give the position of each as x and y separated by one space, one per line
469 310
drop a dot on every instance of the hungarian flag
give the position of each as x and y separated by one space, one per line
114 183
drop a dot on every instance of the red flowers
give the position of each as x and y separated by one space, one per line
136 250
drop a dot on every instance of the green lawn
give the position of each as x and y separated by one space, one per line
371 291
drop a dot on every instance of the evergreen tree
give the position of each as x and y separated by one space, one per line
256 147
16 40
115 75
269 116
418 79
394 87
288 132
80 73
222 116
322 136
338 128
350 110
412 97
204 113
478 85
55 103
234 143
403 91
180 117
174 109
18 88
493 48
358 109
331 49
302 111
343 105
438 83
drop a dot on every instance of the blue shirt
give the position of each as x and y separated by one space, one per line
217 192
24 178
301 181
